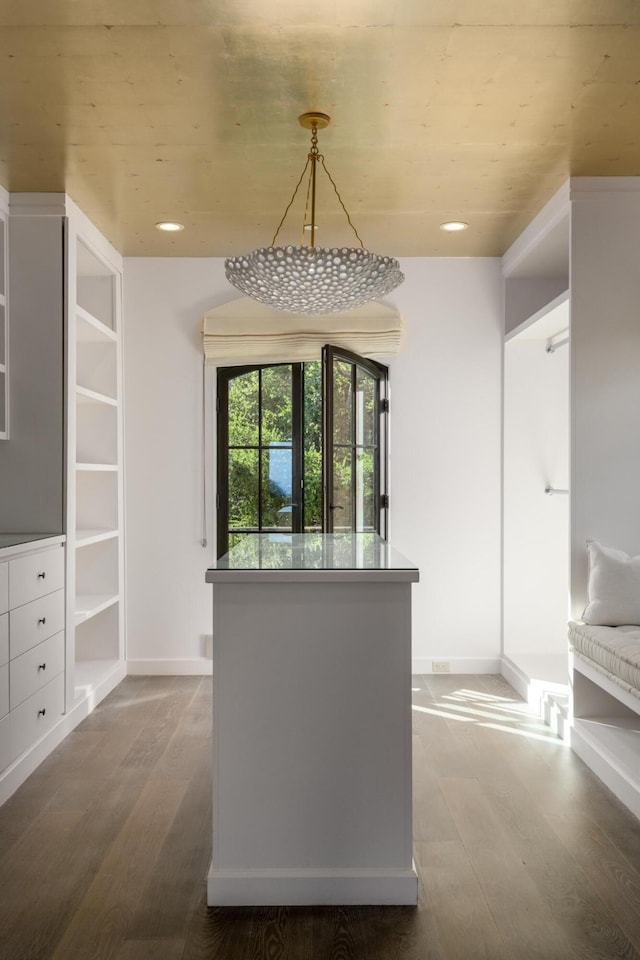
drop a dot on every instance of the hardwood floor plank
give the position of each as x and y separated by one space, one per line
20 810
612 876
216 932
100 923
172 890
570 896
57 880
29 891
432 819
454 894
402 933
155 736
155 949
524 920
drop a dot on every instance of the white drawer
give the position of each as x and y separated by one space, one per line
35 668
4 690
4 587
6 755
4 638
35 575
35 717
34 622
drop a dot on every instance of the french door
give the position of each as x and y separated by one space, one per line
302 448
354 460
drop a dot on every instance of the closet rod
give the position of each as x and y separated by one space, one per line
552 345
551 491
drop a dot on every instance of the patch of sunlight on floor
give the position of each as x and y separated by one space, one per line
492 712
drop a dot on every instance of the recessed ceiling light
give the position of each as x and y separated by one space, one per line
170 226
453 226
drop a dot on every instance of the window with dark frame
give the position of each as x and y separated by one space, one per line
301 447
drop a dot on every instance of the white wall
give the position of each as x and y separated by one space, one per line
605 322
445 459
536 526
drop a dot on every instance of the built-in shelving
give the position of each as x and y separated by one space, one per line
95 481
83 395
606 731
90 675
85 538
89 605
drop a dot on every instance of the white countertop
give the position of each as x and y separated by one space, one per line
14 543
308 556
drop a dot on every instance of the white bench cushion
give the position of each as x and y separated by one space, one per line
615 651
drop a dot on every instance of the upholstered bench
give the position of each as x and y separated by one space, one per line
612 651
605 673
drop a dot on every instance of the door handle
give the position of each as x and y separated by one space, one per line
335 506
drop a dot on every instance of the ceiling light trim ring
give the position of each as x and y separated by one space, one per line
169 226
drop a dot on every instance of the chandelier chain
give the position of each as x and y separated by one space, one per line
293 196
306 206
314 157
346 212
314 140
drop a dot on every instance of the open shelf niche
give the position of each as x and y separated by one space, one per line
95 476
536 444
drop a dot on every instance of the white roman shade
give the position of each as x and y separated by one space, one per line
244 331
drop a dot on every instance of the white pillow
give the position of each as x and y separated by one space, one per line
614 587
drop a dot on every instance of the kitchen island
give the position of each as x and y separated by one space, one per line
312 722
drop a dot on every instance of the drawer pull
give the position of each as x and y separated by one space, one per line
42 575
42 621
42 666
42 712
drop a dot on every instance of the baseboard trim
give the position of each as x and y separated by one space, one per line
199 667
622 782
515 677
247 888
469 665
203 666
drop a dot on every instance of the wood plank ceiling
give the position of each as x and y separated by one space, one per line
441 109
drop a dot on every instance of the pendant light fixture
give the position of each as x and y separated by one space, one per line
304 278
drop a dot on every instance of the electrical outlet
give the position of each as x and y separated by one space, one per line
440 666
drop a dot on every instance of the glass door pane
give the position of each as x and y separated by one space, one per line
312 444
354 408
259 452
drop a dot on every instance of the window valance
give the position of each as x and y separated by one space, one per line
244 331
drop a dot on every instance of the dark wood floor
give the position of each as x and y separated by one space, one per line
521 852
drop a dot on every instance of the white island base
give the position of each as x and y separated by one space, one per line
312 736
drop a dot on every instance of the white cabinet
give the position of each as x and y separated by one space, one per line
33 622
32 670
37 715
32 658
35 575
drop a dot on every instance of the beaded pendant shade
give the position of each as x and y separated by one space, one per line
303 278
